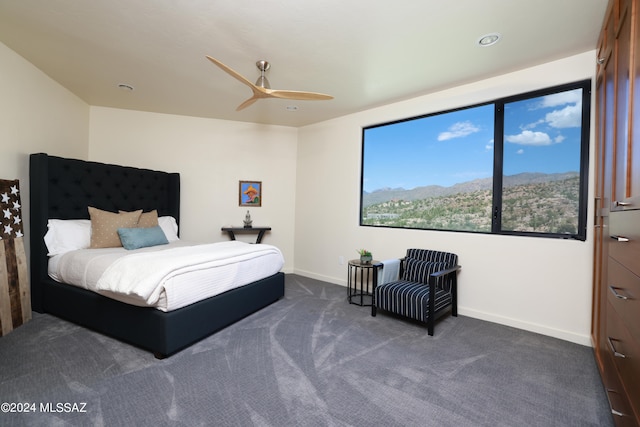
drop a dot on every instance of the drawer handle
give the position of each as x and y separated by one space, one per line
618 203
615 292
613 349
620 238
617 413
614 411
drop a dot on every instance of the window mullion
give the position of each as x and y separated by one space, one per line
498 150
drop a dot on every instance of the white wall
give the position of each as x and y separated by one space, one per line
542 285
310 175
36 115
212 156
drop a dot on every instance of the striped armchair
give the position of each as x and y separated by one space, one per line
425 290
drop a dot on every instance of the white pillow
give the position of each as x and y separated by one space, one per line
64 235
169 227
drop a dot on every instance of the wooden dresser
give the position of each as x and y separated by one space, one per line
616 297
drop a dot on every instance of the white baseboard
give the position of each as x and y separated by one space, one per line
341 281
527 326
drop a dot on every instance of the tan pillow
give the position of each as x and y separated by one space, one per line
104 226
147 219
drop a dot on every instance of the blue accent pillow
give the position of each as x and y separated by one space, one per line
136 238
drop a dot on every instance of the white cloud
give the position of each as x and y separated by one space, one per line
558 139
562 98
532 125
520 151
458 130
528 137
489 146
568 117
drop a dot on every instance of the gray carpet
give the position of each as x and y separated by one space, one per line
310 359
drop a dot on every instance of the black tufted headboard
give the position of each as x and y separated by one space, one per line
63 189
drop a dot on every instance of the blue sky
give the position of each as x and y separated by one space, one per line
541 135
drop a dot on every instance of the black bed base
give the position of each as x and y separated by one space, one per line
163 333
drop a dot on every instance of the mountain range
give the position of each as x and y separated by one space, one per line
420 193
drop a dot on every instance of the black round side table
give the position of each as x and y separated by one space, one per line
360 282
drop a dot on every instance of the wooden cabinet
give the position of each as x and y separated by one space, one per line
616 295
626 172
622 65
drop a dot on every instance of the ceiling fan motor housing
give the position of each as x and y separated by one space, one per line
262 80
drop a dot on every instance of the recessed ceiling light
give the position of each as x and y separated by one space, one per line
489 39
292 108
125 87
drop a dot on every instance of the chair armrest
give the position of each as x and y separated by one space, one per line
446 271
443 273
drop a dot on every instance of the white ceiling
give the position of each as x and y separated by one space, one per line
362 52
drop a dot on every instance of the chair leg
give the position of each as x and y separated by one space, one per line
454 296
430 319
431 305
374 309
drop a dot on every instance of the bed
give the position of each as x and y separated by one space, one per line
63 189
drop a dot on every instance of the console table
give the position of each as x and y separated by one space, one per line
258 230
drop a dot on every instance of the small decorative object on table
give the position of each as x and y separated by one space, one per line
247 220
365 256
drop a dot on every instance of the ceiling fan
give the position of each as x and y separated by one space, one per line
262 89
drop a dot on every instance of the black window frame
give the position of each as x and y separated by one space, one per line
498 159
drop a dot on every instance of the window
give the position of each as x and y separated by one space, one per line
517 165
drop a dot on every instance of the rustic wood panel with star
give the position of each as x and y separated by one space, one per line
15 298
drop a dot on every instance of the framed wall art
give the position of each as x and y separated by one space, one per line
250 193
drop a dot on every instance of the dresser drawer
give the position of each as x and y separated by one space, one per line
625 353
624 241
621 411
623 293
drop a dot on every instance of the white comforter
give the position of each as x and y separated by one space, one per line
170 276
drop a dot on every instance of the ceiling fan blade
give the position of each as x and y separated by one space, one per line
248 102
231 72
298 95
